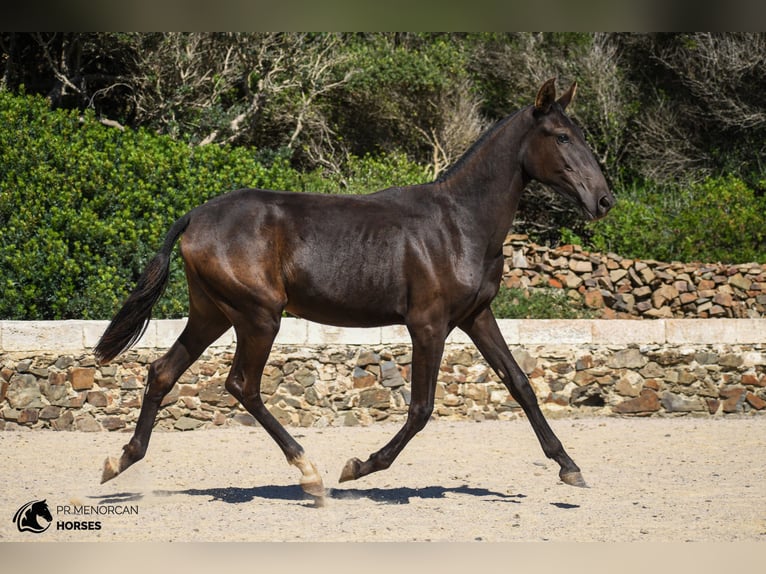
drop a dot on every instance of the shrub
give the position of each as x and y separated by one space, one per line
538 303
720 219
83 207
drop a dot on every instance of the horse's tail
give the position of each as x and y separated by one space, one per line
130 322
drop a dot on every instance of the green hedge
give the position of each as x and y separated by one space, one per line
83 206
720 219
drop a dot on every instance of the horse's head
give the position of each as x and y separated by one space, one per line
40 508
26 516
555 153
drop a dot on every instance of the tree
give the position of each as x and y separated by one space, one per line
73 69
263 89
412 94
702 112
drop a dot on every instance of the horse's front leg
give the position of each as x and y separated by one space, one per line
427 349
486 335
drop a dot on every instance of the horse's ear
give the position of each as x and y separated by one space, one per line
546 96
566 98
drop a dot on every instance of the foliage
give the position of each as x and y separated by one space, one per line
84 206
411 93
538 303
668 107
360 175
675 119
719 219
701 111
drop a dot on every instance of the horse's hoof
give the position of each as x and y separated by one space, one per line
111 469
351 470
311 480
313 487
573 479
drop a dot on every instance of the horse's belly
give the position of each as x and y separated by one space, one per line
348 313
348 298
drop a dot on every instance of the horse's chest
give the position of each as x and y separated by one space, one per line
481 273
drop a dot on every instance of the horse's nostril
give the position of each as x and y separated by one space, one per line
605 202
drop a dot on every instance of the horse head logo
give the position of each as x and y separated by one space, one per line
26 517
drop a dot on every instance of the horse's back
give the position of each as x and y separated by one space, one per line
334 259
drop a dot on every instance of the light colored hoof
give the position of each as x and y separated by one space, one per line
311 480
314 487
573 479
111 469
351 470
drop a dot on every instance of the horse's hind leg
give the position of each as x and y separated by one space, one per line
254 343
204 326
485 333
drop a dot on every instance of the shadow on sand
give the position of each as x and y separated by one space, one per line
400 495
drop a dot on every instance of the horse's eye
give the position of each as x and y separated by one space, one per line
562 138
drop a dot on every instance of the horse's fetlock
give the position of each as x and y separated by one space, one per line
380 462
133 452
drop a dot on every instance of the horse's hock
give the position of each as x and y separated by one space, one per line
320 376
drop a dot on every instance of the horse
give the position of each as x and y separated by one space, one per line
26 516
249 255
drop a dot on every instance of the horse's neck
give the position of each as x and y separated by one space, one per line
488 181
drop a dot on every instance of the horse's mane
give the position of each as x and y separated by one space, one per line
478 144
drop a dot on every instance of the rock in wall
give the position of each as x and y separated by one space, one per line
620 287
343 385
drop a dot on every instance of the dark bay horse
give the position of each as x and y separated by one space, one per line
427 256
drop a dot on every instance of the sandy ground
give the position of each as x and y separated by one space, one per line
671 479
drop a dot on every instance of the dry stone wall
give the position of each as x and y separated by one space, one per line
319 376
621 287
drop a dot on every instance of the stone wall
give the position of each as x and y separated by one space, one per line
620 287
319 376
